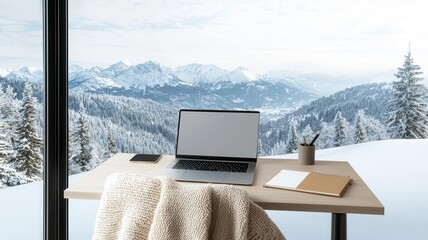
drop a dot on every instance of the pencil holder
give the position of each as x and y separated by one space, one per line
306 154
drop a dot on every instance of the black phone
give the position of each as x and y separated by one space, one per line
153 158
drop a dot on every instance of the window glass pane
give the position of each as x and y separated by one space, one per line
309 67
21 119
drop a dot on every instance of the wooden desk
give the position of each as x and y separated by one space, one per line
357 199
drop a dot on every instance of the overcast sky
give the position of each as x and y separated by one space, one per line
332 37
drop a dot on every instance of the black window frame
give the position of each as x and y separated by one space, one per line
55 55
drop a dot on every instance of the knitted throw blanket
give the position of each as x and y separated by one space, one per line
136 206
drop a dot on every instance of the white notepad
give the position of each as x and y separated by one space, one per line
287 178
310 182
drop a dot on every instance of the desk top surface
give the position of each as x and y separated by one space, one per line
357 199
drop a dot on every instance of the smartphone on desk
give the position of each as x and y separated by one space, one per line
149 158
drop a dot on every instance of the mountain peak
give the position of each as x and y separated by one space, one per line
96 69
75 68
151 63
198 73
147 67
31 70
4 72
27 74
149 73
241 74
115 69
119 65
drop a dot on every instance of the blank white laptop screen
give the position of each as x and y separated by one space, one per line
219 134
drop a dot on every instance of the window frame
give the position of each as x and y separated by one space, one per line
55 61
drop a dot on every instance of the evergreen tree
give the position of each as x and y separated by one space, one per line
278 148
340 135
325 139
375 129
10 177
28 146
111 145
260 151
407 114
307 133
9 112
360 127
292 139
81 153
9 115
4 145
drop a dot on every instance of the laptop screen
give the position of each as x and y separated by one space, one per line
218 134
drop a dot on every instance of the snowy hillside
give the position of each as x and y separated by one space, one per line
371 98
395 170
138 125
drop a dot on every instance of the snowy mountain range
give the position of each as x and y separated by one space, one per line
31 74
189 86
193 85
151 73
274 93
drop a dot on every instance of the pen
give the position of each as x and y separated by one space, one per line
304 141
313 140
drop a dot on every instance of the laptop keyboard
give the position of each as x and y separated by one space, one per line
211 166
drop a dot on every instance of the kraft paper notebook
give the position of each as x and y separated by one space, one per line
310 182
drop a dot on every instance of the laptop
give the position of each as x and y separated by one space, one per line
216 146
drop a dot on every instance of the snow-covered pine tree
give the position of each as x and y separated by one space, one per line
3 138
10 177
292 139
73 144
28 145
5 147
9 115
260 151
278 148
79 161
325 139
360 126
340 134
307 133
407 114
375 129
9 112
111 144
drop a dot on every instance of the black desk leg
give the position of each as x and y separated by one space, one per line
338 226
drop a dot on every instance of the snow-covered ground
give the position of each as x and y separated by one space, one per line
395 170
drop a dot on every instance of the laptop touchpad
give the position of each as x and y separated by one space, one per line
204 176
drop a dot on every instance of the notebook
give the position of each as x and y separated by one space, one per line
310 182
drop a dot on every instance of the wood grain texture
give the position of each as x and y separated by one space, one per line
357 199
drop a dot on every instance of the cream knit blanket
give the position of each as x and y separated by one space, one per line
136 206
